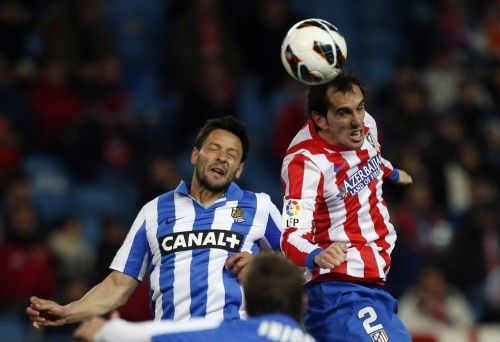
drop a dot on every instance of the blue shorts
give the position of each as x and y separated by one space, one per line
343 311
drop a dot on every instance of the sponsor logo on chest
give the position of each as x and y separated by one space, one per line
361 178
213 238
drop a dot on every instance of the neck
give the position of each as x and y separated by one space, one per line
202 195
325 137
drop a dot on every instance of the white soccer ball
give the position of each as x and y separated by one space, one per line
313 51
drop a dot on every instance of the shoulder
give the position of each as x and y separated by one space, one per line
151 208
257 197
301 161
370 122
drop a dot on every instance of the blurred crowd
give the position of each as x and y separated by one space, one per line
99 101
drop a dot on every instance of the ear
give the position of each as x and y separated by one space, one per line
240 171
194 156
319 120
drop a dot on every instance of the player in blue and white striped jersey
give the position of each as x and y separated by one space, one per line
193 241
275 301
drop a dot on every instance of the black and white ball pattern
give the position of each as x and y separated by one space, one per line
313 51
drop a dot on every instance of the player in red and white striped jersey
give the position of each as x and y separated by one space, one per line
337 223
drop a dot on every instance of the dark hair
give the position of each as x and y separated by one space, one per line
273 284
228 123
317 100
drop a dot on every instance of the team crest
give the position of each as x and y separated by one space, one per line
379 336
238 215
372 142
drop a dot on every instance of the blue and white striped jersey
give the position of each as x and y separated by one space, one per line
184 247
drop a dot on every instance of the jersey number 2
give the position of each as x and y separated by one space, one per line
372 316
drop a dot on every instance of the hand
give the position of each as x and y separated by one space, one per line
237 263
332 256
88 330
404 178
45 313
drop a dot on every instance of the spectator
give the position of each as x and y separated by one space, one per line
434 304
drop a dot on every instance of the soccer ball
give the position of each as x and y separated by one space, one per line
313 51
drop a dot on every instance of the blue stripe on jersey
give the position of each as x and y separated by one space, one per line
273 233
231 284
151 291
166 210
199 275
138 250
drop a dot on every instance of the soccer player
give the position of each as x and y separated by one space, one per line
274 298
337 223
194 241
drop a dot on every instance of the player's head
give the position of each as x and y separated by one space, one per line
273 284
220 150
337 109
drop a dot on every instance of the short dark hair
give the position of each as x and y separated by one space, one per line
228 123
317 100
273 284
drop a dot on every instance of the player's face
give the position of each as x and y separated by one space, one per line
343 125
218 162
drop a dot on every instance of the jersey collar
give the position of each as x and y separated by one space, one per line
233 192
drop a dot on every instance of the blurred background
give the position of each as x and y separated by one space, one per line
100 101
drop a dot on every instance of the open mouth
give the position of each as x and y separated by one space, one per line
357 135
218 171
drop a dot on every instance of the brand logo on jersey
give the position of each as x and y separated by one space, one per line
238 215
213 238
292 213
361 178
379 336
170 220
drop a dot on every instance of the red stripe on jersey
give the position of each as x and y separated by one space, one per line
387 171
352 206
353 231
322 221
379 224
296 176
341 165
292 252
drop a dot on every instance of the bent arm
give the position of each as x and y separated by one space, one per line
301 178
111 293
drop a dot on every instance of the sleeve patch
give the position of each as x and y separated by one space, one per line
292 213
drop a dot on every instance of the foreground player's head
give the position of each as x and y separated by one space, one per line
220 150
273 284
337 109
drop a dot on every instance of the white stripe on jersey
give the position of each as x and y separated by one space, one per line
216 290
184 211
302 135
390 238
355 268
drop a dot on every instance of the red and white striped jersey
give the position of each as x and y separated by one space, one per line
335 195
